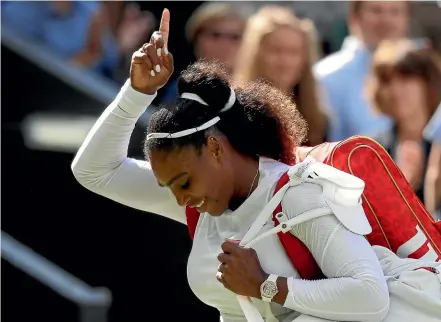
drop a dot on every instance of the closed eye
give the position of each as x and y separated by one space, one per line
186 185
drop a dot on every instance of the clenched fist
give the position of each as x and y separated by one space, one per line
152 64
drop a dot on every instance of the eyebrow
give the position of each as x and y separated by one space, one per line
176 177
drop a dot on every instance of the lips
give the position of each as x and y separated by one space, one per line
197 205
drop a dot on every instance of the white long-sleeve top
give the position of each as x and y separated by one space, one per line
355 290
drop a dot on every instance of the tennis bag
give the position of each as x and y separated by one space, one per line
399 220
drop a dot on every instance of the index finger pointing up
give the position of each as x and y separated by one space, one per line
164 26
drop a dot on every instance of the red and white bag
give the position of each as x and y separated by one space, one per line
398 219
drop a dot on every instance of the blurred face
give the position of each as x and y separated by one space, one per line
61 7
281 57
406 99
381 20
220 40
202 180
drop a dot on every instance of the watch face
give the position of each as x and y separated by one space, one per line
269 289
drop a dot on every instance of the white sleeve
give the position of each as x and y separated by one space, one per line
102 166
224 317
355 288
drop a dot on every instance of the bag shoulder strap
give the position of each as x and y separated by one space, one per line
192 220
298 253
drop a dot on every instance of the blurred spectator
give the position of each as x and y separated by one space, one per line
215 30
281 49
405 84
87 33
130 28
343 74
432 186
68 28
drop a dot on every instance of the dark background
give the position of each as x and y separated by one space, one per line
140 257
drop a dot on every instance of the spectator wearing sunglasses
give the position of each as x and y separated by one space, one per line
215 31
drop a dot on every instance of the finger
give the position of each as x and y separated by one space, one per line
222 278
223 258
219 277
158 41
164 26
234 241
167 60
229 248
222 267
140 57
153 55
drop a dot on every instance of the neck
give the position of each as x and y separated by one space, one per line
244 174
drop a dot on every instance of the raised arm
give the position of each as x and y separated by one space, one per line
101 164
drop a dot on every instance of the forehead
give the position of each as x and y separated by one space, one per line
284 36
167 164
225 25
384 5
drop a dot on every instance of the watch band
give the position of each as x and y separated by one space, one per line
269 289
272 278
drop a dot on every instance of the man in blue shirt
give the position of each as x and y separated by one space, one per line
342 75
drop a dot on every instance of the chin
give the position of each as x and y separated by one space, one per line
216 212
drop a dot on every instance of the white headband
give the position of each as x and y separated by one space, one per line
206 125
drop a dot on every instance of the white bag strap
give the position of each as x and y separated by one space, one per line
295 178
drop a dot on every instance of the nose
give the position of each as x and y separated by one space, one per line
182 199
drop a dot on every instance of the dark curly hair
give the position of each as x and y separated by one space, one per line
263 120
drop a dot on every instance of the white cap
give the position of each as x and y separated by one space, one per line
343 194
350 214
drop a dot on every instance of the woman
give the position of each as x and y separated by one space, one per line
215 32
405 84
215 148
281 49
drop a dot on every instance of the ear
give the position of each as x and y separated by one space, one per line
214 147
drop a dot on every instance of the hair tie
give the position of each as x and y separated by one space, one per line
206 125
229 104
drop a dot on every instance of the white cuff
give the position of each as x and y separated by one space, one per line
132 101
289 301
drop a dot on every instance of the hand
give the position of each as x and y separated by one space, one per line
152 64
240 269
134 29
92 50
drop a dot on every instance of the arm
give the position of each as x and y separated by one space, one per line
102 166
355 289
410 159
432 186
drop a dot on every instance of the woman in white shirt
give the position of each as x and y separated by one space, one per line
227 170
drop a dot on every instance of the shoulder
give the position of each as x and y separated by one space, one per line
432 132
317 186
303 198
341 65
334 66
88 7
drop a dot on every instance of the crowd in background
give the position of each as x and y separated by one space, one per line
381 82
